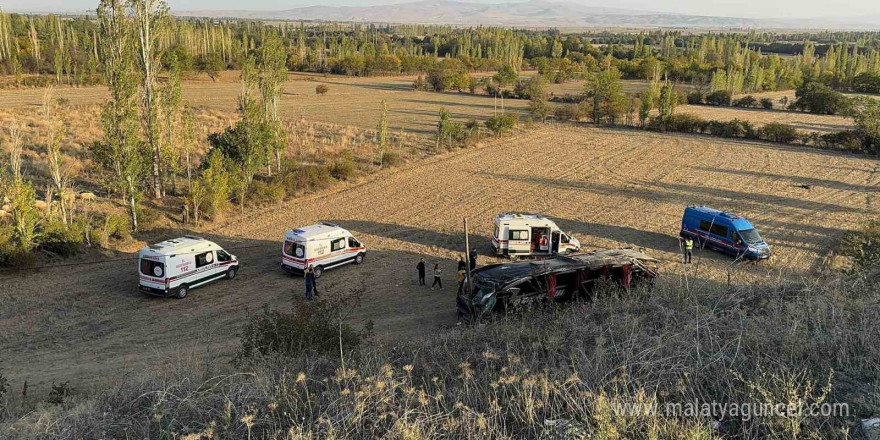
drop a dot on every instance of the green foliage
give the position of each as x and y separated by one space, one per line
866 82
60 393
215 183
667 104
344 168
506 76
502 124
420 84
605 90
866 114
210 64
312 327
863 245
298 178
815 97
746 102
767 103
267 192
322 89
777 132
62 239
841 140
448 74
695 97
719 98
25 216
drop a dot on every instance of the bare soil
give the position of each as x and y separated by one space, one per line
610 188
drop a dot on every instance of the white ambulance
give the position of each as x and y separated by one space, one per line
530 235
322 246
174 266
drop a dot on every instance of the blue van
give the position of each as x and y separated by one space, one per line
724 231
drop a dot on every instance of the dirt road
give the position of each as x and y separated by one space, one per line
609 188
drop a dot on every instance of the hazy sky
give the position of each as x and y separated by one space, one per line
733 8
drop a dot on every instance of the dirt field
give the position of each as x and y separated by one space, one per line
356 102
610 188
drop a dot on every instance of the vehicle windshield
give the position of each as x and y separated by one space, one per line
750 236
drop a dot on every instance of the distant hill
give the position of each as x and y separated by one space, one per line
535 13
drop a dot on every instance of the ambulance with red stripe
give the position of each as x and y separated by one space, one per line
322 246
530 235
173 267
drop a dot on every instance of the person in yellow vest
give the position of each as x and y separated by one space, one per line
688 249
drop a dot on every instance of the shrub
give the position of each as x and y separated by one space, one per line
767 103
304 177
719 98
322 89
312 327
866 83
730 129
776 132
816 97
502 124
267 192
59 393
344 168
62 240
695 97
391 159
420 84
682 123
841 140
746 102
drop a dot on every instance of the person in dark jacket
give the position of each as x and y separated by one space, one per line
311 287
473 258
421 268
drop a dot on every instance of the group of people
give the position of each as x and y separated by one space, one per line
438 282
312 286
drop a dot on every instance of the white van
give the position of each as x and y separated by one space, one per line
174 266
526 235
322 246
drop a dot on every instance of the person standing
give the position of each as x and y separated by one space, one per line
462 271
437 281
310 283
688 249
421 268
473 258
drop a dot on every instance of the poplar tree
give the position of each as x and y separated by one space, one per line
149 19
382 134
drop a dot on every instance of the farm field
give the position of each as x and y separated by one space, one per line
608 187
413 111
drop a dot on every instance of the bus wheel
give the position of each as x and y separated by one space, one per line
182 291
231 273
359 259
318 271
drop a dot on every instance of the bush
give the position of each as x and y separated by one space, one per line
729 129
815 97
59 393
746 102
695 97
391 159
776 132
719 98
767 103
271 192
344 168
322 89
420 84
312 327
502 124
866 83
297 178
841 140
62 240
682 123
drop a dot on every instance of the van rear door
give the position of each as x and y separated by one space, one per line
152 273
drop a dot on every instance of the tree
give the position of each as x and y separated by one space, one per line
666 106
649 101
505 76
538 103
605 90
171 108
271 76
816 97
866 113
149 17
120 152
382 134
54 135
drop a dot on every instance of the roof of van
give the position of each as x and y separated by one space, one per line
737 220
317 231
518 216
187 243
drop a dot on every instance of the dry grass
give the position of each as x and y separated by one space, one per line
610 188
555 373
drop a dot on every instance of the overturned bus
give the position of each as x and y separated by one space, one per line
502 287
